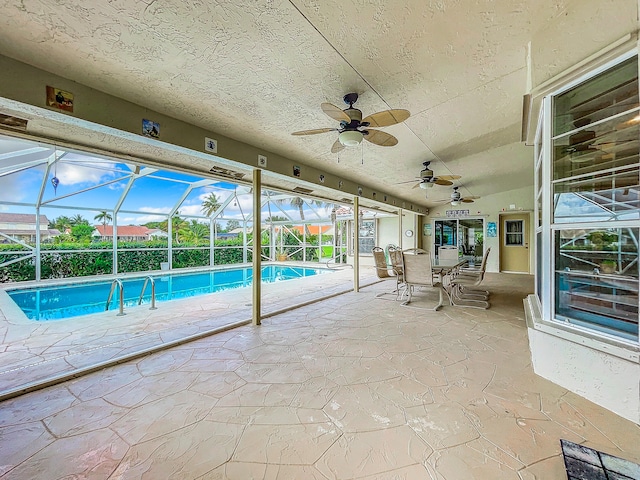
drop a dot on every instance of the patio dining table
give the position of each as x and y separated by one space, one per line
443 267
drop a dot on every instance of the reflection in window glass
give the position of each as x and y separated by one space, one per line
607 145
600 197
608 94
446 232
596 280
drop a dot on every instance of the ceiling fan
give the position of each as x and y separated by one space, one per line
353 128
457 198
427 179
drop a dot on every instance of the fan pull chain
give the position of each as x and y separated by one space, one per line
361 153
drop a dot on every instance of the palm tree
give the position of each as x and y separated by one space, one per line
210 204
78 220
176 224
103 217
61 223
298 203
193 232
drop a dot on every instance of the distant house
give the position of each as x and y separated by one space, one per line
127 233
314 229
22 226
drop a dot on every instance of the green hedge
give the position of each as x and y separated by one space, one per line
64 262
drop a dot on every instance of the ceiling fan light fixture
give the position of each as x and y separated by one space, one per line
350 138
425 185
455 202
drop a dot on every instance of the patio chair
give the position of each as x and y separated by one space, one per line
417 269
395 258
448 253
463 293
384 271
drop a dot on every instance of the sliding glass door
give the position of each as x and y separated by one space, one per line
467 234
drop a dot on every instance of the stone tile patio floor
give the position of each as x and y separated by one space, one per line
32 352
350 387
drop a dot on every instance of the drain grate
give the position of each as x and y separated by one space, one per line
583 463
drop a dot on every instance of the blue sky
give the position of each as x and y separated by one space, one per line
98 184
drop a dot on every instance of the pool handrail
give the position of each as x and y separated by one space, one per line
335 264
148 279
118 282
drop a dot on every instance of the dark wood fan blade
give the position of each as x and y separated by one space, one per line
443 181
337 147
387 117
335 112
313 132
466 200
381 138
449 177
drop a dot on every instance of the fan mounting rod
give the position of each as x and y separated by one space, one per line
350 99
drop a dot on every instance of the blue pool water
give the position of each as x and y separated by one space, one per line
64 301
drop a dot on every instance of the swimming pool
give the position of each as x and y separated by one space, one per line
64 301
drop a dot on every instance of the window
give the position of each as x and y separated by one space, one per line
367 236
514 233
589 216
367 239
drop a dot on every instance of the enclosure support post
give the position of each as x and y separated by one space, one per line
170 242
38 240
356 244
257 243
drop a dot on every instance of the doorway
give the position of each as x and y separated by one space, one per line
465 233
514 243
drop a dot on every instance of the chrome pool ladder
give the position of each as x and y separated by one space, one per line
149 279
118 282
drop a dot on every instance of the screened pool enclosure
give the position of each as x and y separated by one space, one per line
66 213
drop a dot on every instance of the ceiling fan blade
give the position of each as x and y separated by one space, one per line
313 132
408 181
337 147
449 177
387 117
335 112
466 200
443 181
381 138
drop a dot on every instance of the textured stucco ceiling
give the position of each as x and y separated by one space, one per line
256 71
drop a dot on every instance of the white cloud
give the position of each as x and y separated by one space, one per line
154 209
190 210
12 191
87 172
140 219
